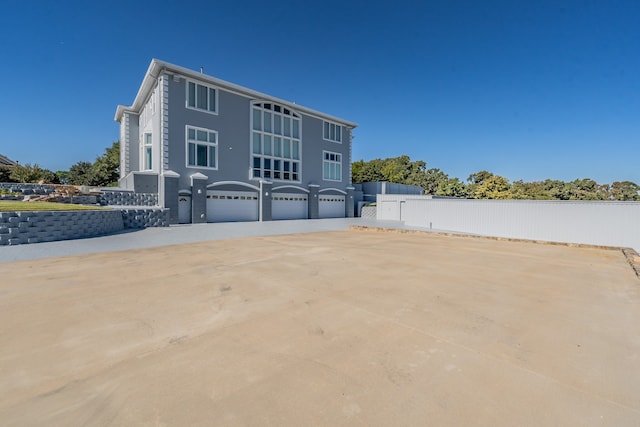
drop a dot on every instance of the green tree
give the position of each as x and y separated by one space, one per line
586 189
432 178
80 173
106 168
31 174
486 185
479 177
555 189
493 187
452 187
370 171
62 176
475 180
396 169
400 170
105 171
524 190
625 190
5 174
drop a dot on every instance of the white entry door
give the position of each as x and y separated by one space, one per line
289 206
228 206
330 206
184 209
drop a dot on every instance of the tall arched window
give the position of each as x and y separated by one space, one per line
276 144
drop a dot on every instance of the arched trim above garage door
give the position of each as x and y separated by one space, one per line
295 187
324 190
240 183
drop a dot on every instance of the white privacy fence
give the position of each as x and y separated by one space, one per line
588 222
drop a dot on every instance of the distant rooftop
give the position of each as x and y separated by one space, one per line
5 161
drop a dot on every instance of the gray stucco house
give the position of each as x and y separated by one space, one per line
215 151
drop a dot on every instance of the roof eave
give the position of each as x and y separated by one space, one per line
156 67
147 84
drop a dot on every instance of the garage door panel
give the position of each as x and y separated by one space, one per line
229 206
330 206
289 206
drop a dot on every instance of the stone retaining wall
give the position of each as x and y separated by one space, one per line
27 189
78 200
34 227
144 217
105 198
18 228
127 198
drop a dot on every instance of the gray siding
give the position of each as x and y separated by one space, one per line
234 141
160 109
149 122
134 147
313 145
232 125
128 144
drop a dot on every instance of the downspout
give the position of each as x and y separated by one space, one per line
260 204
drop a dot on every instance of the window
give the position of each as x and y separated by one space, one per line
331 166
147 152
202 148
201 97
332 132
276 146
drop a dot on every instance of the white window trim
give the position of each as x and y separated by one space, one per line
186 147
338 126
208 86
293 114
333 162
143 152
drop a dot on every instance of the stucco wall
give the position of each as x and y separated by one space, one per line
589 222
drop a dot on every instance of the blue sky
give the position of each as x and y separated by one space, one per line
527 90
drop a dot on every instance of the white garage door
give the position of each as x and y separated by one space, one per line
226 206
331 206
289 206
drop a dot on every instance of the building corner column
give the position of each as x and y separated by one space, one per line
265 201
198 198
349 203
170 194
314 203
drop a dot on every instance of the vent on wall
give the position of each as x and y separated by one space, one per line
176 78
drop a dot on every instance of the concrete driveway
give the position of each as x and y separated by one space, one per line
176 234
336 328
